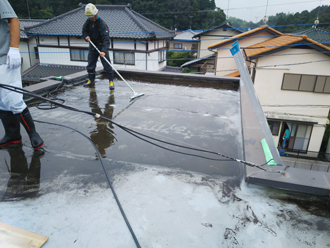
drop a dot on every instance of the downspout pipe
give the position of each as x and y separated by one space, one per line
147 48
253 69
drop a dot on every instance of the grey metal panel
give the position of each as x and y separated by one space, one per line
246 82
300 180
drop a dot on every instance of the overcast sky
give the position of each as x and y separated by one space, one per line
252 10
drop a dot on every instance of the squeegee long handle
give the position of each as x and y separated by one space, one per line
112 66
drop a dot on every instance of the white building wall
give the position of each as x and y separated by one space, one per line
153 64
57 56
64 41
124 44
50 41
140 61
28 54
61 56
268 83
24 51
77 42
141 46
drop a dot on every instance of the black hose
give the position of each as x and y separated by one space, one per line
107 176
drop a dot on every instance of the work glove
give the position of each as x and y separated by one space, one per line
13 58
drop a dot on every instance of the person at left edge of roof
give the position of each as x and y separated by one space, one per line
96 30
13 109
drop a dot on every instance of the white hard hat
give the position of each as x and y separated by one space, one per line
91 10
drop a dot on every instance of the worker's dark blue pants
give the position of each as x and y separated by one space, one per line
93 56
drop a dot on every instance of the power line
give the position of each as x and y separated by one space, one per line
226 9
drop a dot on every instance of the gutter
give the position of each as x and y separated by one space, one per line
253 69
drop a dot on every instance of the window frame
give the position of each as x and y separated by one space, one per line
125 60
299 82
271 127
161 56
81 51
177 44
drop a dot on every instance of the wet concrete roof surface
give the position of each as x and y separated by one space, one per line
170 199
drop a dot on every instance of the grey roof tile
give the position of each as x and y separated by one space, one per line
318 34
123 23
35 73
24 23
186 35
224 25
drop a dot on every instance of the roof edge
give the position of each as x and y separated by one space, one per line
246 34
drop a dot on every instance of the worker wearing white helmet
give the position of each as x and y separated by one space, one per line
97 31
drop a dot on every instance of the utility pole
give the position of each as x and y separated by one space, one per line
190 20
176 16
27 3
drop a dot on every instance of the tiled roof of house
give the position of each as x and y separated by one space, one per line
233 74
123 23
24 23
245 34
171 69
280 42
35 73
224 25
187 35
318 34
207 57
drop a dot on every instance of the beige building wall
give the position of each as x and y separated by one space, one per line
186 45
293 105
225 62
212 37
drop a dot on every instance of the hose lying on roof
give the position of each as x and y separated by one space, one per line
108 179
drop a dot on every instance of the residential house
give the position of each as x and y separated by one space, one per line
202 65
210 36
135 41
28 44
291 78
185 41
206 59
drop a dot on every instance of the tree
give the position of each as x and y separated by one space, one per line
178 58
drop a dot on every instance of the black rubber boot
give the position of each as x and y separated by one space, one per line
91 80
27 121
12 128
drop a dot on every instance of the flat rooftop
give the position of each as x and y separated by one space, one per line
170 199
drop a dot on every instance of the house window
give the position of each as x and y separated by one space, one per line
307 83
79 54
177 45
161 56
300 135
274 127
124 58
36 52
